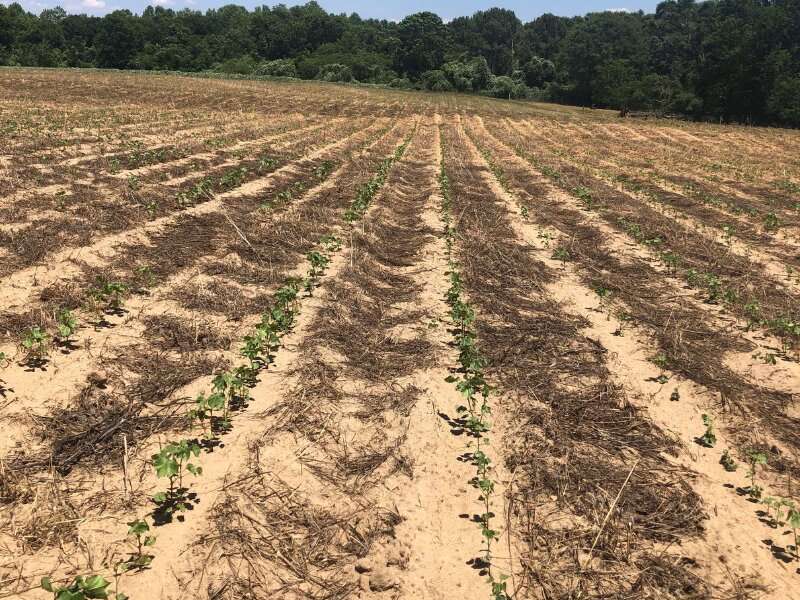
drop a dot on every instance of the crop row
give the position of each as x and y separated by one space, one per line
472 385
257 348
569 419
730 280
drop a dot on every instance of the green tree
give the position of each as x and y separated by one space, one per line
422 43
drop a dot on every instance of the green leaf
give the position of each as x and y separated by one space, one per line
47 584
95 582
164 464
160 497
138 527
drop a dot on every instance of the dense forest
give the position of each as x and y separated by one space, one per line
733 60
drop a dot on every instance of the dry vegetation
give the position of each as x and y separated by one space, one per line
295 340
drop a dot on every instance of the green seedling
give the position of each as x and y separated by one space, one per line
286 296
145 276
108 295
675 396
499 589
585 196
709 438
661 361
768 358
546 237
4 360
36 343
726 460
170 463
561 254
140 530
252 348
322 170
331 243
82 588
318 262
755 458
727 233
232 387
670 260
205 406
793 519
602 291
753 311
66 324
771 222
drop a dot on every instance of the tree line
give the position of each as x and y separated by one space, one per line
732 60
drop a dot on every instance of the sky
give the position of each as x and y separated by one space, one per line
393 10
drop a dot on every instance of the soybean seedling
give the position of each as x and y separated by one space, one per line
561 254
233 388
753 310
170 463
771 222
36 344
793 518
67 325
709 438
205 406
140 530
4 360
318 264
108 296
727 462
755 458
82 588
662 362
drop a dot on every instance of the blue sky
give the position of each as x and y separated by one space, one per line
387 9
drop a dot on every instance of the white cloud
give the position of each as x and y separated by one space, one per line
93 3
618 10
160 2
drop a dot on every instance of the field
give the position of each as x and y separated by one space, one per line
298 340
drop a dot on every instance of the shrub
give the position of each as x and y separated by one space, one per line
401 83
244 65
283 67
335 72
505 87
539 71
459 75
436 81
